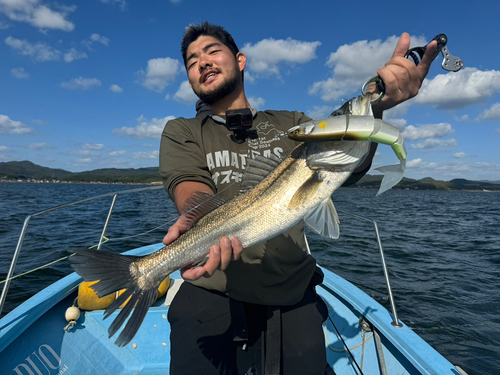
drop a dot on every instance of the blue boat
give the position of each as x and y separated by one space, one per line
361 336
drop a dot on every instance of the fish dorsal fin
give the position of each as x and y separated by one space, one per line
257 169
324 220
199 204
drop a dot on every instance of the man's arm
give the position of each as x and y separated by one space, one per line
220 255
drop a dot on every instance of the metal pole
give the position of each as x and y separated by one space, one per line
13 263
107 222
396 321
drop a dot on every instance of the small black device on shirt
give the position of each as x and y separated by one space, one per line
240 121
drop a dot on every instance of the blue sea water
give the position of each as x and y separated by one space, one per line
442 250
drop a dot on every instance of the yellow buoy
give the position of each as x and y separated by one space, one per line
89 300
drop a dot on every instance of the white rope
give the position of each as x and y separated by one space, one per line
344 350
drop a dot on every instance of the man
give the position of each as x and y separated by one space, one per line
223 319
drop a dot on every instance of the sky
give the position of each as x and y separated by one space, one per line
90 84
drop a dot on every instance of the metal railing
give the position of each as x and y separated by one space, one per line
395 322
28 218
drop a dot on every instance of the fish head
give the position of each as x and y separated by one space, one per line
361 105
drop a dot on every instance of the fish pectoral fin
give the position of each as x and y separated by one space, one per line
305 192
324 220
392 175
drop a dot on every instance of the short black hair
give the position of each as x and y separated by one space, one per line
194 31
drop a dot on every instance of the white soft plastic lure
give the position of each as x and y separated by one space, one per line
357 124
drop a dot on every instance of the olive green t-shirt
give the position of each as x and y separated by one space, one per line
276 272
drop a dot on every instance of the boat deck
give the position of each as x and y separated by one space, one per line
32 339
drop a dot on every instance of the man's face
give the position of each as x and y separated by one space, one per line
213 71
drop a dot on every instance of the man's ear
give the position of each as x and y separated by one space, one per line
242 60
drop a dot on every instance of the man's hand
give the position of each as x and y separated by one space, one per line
219 257
402 78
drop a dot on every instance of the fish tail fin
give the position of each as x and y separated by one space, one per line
114 273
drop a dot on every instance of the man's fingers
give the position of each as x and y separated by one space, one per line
226 253
425 64
214 259
172 234
219 258
237 248
402 46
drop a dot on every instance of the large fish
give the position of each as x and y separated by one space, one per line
275 196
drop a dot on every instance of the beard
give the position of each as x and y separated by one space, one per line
216 95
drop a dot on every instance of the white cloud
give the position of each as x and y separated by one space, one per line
146 155
352 64
117 153
185 94
100 39
399 123
450 169
319 112
426 131
249 77
115 88
93 146
19 73
159 73
144 128
38 52
81 83
460 89
265 56
432 142
460 155
487 166
73 54
39 146
8 126
38 15
3 148
256 103
122 4
492 113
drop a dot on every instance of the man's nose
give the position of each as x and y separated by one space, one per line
204 62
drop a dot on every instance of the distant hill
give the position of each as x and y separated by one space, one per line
428 183
26 170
